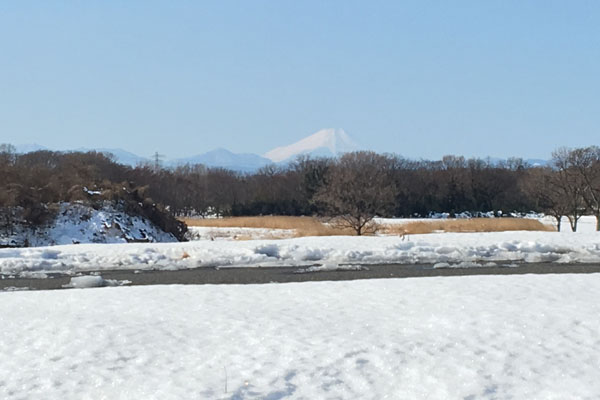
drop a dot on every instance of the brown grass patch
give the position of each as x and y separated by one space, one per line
304 226
467 225
311 226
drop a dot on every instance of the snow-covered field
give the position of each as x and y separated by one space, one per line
587 223
220 233
443 249
477 337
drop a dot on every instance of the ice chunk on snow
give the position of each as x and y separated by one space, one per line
49 254
86 281
269 250
92 281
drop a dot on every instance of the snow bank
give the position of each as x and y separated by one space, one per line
477 337
448 248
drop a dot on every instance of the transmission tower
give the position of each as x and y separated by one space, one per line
157 161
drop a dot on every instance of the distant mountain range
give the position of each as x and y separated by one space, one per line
222 158
324 143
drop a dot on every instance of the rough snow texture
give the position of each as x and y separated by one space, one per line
443 250
484 337
479 248
79 223
326 142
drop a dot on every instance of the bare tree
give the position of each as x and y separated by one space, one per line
359 187
542 186
586 163
569 184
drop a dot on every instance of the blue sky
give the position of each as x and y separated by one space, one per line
418 78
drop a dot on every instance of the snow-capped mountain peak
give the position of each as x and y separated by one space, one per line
326 142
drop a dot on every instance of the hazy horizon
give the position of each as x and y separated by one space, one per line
27 147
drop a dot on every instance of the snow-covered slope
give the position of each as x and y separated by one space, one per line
80 223
326 142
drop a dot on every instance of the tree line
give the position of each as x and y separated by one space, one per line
350 189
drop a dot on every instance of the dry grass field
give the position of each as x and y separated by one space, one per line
311 226
304 226
467 225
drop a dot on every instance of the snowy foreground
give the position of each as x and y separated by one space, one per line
443 250
475 337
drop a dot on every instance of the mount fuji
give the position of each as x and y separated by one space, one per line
324 143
